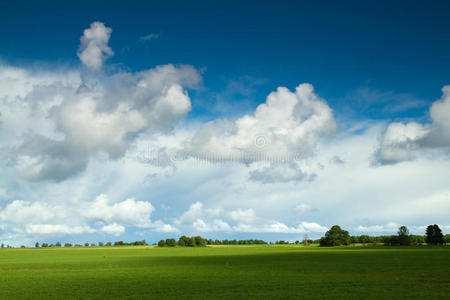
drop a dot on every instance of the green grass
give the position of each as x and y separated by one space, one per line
228 272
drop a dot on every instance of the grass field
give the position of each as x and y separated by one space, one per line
236 272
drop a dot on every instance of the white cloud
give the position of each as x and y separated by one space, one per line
215 226
114 229
194 212
159 226
129 212
22 212
278 227
280 172
400 141
149 37
246 216
94 47
57 229
288 126
52 128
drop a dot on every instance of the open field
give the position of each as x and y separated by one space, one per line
239 272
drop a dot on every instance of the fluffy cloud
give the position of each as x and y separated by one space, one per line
57 229
194 212
246 216
215 226
245 221
94 47
400 141
286 127
114 229
129 212
278 227
53 123
23 212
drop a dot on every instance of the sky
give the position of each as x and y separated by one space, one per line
229 120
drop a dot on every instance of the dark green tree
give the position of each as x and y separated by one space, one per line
161 243
171 242
434 235
404 238
199 241
335 237
185 241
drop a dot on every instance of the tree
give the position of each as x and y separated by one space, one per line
58 244
100 244
404 238
199 241
186 241
36 245
68 245
161 243
335 237
434 235
171 242
447 239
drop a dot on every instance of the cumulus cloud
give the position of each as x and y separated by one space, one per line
23 212
101 215
94 47
245 216
400 141
288 126
278 227
241 221
114 229
51 128
215 226
129 212
160 226
54 122
57 229
194 212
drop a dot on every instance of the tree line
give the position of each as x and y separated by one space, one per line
433 236
198 241
100 244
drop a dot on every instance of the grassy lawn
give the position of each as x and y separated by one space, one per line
237 272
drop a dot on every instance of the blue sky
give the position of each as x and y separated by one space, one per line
72 109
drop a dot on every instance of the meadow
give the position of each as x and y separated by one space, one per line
225 272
